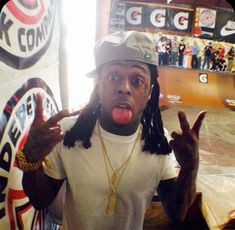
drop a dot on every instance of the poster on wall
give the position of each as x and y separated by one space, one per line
225 26
158 17
216 25
207 18
29 44
131 16
117 20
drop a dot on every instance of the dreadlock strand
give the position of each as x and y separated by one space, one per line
153 131
83 128
165 147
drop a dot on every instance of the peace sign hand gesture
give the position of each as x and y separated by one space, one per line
185 143
43 135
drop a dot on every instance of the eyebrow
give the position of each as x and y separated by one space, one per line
142 68
134 65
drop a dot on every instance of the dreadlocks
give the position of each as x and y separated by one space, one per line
152 133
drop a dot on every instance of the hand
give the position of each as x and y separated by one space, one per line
185 143
43 135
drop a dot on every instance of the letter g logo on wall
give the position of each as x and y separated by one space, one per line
26 29
181 20
133 15
203 78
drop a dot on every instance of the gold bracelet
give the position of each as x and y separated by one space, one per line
24 165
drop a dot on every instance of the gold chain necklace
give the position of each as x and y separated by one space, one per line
116 177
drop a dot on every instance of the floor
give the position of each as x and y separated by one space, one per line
217 136
216 179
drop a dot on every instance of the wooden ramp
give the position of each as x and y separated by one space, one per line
218 200
196 87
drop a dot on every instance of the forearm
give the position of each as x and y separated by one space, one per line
182 195
185 191
39 188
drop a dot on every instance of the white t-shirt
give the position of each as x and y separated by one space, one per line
88 188
161 47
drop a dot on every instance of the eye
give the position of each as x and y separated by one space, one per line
113 76
137 81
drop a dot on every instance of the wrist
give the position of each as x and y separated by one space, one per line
190 165
189 169
24 165
30 154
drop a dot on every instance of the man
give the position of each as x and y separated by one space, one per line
114 156
182 48
195 52
214 60
161 49
168 48
207 55
174 51
222 64
230 57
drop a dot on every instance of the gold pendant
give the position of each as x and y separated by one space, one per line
47 163
114 179
111 203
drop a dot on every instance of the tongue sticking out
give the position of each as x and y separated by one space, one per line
121 115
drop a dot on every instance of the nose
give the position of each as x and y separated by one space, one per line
124 87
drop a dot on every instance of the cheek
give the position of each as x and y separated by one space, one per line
141 100
146 93
101 88
104 85
105 93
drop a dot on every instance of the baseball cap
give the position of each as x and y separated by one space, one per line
130 45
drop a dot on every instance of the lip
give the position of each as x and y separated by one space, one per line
124 105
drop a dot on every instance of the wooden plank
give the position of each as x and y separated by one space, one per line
156 218
218 200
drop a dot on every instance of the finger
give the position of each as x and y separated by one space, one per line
175 134
51 133
184 124
47 145
173 144
54 140
38 107
56 126
75 113
53 120
198 122
59 116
